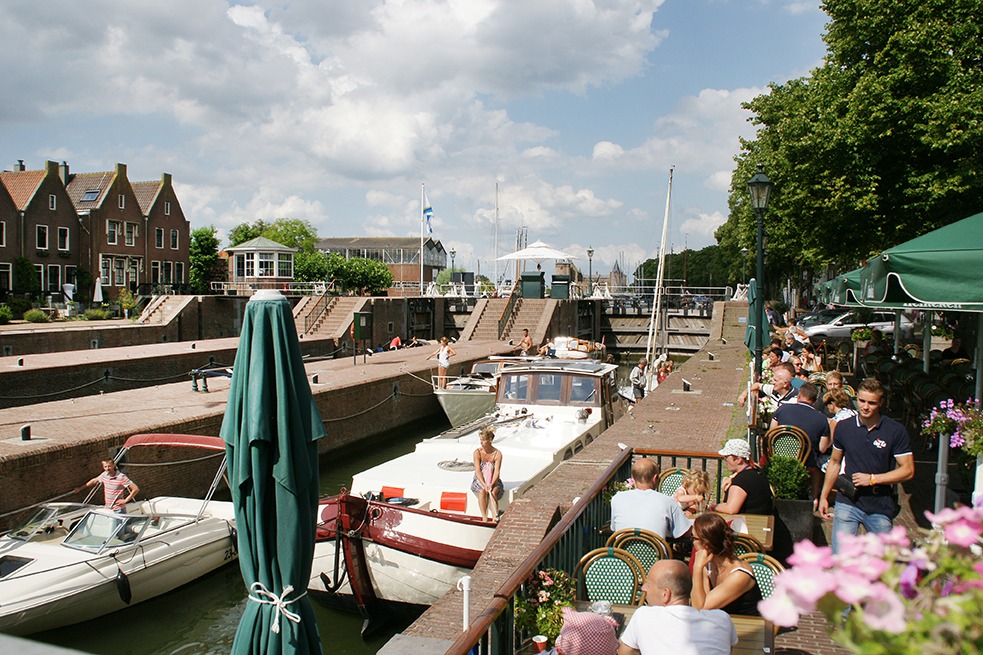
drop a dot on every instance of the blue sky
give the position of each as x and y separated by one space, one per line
337 112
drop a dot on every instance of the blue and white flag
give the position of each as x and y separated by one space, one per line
427 213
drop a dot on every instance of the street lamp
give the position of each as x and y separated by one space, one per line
452 253
760 188
590 270
744 252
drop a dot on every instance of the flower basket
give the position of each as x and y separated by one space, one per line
961 422
539 609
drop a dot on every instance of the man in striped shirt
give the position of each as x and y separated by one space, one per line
118 489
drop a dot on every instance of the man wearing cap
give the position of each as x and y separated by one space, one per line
801 414
878 457
747 488
646 508
668 624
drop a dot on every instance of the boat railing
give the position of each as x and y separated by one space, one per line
578 532
503 320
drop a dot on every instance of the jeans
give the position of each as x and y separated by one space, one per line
848 518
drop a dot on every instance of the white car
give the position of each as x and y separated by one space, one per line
841 325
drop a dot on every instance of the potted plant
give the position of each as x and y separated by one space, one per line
539 609
962 424
127 301
790 480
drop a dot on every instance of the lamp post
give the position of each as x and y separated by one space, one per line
744 252
452 253
760 188
590 270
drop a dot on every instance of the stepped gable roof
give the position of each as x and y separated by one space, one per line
22 185
407 243
260 243
146 193
88 190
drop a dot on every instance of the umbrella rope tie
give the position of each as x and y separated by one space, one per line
280 604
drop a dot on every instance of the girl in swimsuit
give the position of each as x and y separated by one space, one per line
487 482
720 580
443 355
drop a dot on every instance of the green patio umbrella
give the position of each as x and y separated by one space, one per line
270 428
752 294
845 289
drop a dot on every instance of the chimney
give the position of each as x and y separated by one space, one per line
19 166
165 179
63 172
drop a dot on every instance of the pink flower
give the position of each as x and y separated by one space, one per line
852 590
780 609
806 586
898 537
884 610
868 568
962 533
809 554
908 581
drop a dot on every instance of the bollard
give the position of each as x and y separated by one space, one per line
464 584
25 432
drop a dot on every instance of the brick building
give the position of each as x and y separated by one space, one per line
132 235
401 255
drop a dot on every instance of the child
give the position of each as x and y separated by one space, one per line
691 494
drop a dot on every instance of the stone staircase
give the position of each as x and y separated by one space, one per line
531 314
161 309
336 318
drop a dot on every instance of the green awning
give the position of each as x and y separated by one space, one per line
938 270
845 289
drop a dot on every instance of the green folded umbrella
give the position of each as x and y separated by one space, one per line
270 429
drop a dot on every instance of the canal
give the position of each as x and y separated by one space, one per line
201 618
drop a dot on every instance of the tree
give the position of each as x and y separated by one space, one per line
880 144
26 278
290 232
367 276
310 267
245 232
205 265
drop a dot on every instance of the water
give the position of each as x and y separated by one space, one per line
201 618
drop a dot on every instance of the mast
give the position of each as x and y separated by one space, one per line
655 320
422 221
495 279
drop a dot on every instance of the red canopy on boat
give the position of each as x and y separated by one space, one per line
188 440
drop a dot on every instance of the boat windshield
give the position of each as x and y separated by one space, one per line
549 388
103 529
47 519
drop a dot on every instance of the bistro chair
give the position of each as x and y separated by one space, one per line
765 568
745 543
610 574
647 546
788 441
670 480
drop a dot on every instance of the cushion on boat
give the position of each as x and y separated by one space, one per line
392 492
453 501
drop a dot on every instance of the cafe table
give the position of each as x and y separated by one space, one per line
759 526
755 635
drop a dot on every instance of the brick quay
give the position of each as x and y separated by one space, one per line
357 399
667 419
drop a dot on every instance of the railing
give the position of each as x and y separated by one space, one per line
314 315
503 320
294 288
577 533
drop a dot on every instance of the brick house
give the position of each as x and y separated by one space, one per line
168 233
38 222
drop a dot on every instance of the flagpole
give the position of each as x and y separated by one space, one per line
422 202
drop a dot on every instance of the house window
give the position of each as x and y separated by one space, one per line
284 265
3 233
5 275
167 208
174 239
154 272
40 270
104 264
52 202
240 266
69 274
168 272
178 272
159 238
131 232
63 239
112 232
90 195
122 201
119 269
42 237
265 264
54 278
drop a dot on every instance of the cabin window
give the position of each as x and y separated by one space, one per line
549 388
9 564
583 390
515 388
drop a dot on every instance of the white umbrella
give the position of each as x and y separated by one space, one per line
97 294
537 251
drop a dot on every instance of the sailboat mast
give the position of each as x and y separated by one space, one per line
654 322
495 279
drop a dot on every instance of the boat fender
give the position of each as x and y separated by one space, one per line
123 586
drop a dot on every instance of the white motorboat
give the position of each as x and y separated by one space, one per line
71 562
410 528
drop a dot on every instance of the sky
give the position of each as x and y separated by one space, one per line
341 113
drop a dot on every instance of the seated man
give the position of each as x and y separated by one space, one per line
669 625
802 414
646 508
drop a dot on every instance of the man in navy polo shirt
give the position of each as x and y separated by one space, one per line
878 455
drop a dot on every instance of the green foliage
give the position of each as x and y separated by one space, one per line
367 276
126 299
26 279
878 145
205 264
18 305
35 316
96 314
6 316
540 609
290 232
789 478
311 267
245 232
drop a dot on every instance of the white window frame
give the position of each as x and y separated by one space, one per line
6 275
56 286
122 201
266 265
3 233
130 233
67 234
69 274
175 239
37 237
52 202
112 232
105 269
285 265
155 272
40 269
167 271
119 271
178 272
167 208
159 238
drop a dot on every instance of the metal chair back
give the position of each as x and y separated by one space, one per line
765 568
610 574
788 441
745 543
670 480
647 546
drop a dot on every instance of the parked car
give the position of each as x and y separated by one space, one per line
842 324
818 317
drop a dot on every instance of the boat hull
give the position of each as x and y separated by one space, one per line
465 405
